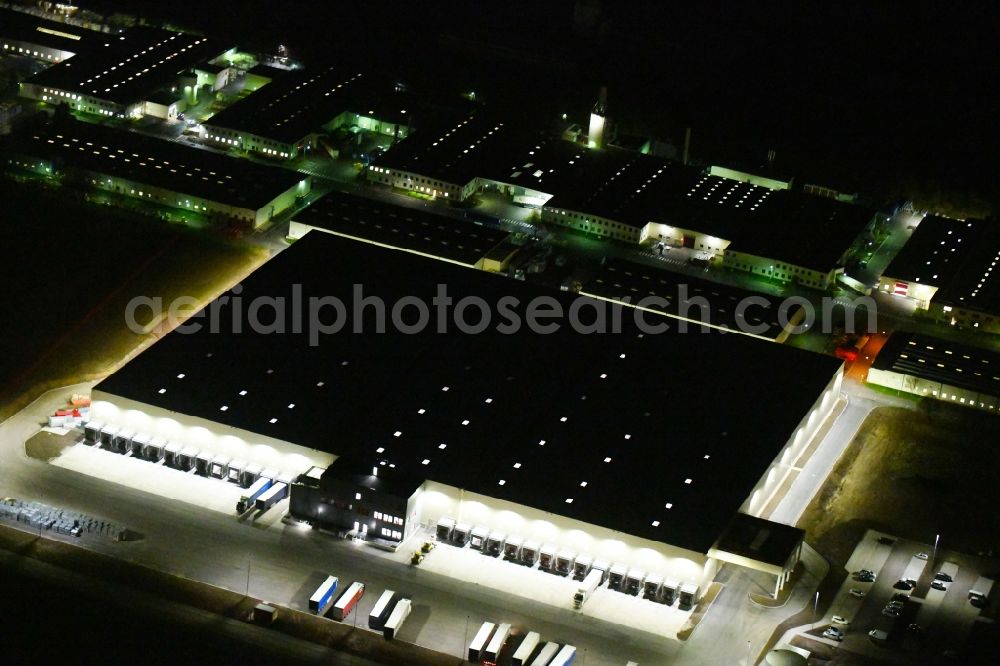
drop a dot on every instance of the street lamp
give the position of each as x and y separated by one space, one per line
816 609
937 538
749 655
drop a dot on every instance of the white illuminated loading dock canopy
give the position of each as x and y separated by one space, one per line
634 448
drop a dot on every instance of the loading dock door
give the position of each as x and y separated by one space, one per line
688 240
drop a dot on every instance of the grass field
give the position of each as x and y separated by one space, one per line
913 474
69 269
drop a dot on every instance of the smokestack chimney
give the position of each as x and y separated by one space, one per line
687 145
595 137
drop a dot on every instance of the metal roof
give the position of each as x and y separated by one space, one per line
660 436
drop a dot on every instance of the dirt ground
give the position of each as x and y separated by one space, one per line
70 269
913 474
342 637
47 445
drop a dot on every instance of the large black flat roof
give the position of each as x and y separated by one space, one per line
684 294
456 148
297 104
127 67
403 227
144 159
959 257
36 30
942 361
660 436
636 189
761 540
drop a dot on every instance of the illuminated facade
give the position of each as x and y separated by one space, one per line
156 171
949 268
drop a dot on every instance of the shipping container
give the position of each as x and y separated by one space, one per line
323 595
545 655
382 610
271 496
564 657
524 650
348 600
479 642
492 652
248 499
396 619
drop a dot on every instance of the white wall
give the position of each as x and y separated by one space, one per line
931 389
436 500
205 435
799 440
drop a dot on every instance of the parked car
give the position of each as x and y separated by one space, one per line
943 577
889 611
914 628
921 556
834 633
856 593
886 541
895 604
837 619
938 585
905 584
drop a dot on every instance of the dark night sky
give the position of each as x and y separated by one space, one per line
848 91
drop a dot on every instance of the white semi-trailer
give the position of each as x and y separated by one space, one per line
396 619
587 587
524 650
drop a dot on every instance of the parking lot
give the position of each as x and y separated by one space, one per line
899 616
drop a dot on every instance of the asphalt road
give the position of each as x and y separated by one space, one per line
286 563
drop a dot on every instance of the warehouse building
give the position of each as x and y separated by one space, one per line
743 221
694 301
285 118
33 37
947 268
120 73
160 172
936 368
397 227
634 448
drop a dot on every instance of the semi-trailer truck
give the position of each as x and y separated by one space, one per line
348 600
272 495
396 619
478 645
382 610
253 492
524 650
323 594
564 657
492 652
587 587
545 656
